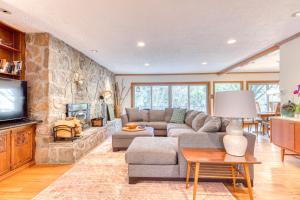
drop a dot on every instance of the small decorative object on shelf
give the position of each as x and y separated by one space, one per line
288 109
97 122
11 67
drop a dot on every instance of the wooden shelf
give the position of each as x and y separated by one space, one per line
9 48
8 75
13 52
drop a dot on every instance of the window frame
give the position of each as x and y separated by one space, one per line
248 83
226 82
207 83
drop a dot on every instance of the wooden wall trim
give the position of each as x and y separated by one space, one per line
259 54
193 74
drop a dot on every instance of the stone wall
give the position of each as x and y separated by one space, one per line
51 67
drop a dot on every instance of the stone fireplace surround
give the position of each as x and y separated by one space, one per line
51 65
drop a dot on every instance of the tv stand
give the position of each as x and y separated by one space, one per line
17 146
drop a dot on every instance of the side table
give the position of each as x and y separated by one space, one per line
205 158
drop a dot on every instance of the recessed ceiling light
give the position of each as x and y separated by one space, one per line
296 14
141 44
147 64
204 63
231 41
5 11
94 50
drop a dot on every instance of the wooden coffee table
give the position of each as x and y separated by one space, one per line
216 164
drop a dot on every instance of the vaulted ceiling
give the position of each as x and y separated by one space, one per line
180 36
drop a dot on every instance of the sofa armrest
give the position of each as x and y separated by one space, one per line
207 140
124 119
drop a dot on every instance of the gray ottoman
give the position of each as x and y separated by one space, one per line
152 157
122 139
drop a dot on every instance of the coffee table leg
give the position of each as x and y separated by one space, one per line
196 175
188 173
233 178
247 173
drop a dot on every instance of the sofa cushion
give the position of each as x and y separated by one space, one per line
168 114
224 124
145 115
212 124
178 116
176 126
177 132
152 151
199 121
158 125
190 116
156 115
134 115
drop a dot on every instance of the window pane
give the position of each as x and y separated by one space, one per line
223 87
180 96
160 97
142 97
198 97
266 95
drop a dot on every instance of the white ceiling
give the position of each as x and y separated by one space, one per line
179 34
267 63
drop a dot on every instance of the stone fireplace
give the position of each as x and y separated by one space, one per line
52 66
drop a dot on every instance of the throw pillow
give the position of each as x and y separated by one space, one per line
212 124
156 115
168 114
225 123
199 121
178 116
134 115
190 116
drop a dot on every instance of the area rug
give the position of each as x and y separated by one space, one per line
102 174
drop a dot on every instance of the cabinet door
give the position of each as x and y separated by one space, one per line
289 135
4 152
277 132
297 137
21 140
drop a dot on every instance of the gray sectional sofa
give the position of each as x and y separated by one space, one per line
160 157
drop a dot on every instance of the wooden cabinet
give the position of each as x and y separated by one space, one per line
4 152
21 143
285 133
16 148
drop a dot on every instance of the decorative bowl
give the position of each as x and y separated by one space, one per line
131 126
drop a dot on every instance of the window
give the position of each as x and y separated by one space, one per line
198 98
180 97
227 86
160 97
171 95
267 95
142 96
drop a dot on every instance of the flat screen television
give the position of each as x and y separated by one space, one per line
13 99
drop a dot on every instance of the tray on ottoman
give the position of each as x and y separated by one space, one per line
122 139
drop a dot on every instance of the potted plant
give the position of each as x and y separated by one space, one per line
297 109
288 109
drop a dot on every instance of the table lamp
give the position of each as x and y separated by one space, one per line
235 105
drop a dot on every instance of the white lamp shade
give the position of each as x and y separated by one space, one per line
235 104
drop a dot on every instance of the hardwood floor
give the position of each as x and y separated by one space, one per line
29 182
273 179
